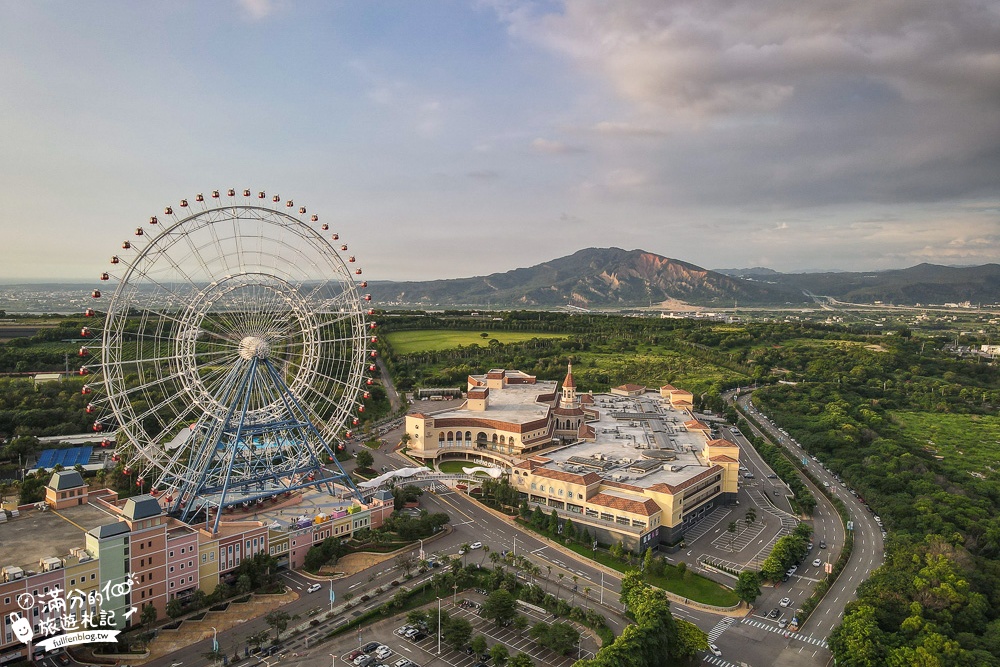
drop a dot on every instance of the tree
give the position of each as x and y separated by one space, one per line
500 607
148 616
417 617
559 637
364 459
748 586
731 529
520 660
406 562
478 645
751 517
456 632
858 641
278 620
521 624
499 655
553 523
175 608
647 560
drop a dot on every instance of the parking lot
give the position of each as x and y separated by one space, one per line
421 650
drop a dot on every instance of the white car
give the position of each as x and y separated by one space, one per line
817 562
313 588
785 602
383 652
714 650
476 545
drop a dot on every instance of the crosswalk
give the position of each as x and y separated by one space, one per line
719 628
770 627
719 662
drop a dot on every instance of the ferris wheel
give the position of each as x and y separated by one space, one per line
234 353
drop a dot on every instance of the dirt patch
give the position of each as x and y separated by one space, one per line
194 631
354 563
876 348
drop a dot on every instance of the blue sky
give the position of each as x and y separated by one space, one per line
449 139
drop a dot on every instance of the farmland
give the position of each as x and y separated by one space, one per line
433 340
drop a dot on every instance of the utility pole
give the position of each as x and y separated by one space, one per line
439 626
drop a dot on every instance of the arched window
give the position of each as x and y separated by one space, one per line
468 436
503 440
451 437
494 438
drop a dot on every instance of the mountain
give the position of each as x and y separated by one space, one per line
591 278
923 284
753 272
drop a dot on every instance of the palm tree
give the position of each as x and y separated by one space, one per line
486 552
561 575
547 577
751 517
586 594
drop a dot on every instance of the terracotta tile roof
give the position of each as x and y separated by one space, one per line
479 392
681 403
588 479
630 387
695 425
587 399
722 458
568 412
668 387
587 431
645 508
722 442
417 415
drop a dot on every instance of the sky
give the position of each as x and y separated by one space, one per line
446 139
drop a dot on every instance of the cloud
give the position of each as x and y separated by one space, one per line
767 103
483 175
256 9
551 147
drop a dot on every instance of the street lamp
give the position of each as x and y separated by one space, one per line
333 660
421 548
215 646
439 626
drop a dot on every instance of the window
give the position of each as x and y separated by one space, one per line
6 600
172 553
171 584
72 582
171 568
204 558
93 576
211 556
182 566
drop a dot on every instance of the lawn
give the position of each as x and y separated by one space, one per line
690 585
430 340
456 466
969 441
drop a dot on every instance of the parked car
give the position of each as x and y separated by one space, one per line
774 613
785 602
370 646
383 652
783 623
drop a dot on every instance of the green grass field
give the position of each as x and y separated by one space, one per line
429 340
969 441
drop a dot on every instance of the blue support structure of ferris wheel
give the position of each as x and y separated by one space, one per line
230 442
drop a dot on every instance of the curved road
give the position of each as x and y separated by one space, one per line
868 552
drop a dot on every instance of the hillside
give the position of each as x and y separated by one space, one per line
591 278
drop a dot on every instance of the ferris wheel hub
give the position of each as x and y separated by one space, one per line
254 346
